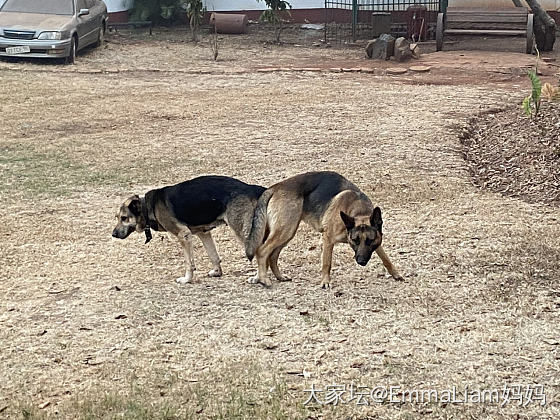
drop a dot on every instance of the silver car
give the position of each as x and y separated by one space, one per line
50 28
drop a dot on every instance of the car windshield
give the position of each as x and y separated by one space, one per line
49 7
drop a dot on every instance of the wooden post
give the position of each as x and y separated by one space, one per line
544 27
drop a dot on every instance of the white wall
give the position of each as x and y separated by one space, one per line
118 5
224 5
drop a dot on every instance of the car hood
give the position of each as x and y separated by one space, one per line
34 21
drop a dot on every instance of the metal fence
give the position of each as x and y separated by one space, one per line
350 20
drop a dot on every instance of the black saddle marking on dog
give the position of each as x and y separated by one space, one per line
200 201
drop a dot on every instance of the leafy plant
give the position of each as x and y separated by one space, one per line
274 15
158 11
532 103
146 10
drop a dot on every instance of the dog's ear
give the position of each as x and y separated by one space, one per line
135 206
349 221
375 219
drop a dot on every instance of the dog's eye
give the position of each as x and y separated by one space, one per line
368 242
357 240
124 218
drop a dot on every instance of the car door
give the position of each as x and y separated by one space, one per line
85 25
96 10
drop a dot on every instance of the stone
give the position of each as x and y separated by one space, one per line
396 70
402 49
381 48
415 49
420 69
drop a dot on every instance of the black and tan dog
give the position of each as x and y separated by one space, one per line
330 204
190 208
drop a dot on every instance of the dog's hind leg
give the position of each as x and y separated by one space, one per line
387 263
210 247
273 262
185 238
283 219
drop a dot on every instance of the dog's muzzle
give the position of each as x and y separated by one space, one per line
120 234
362 260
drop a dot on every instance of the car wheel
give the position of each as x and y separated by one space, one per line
72 56
101 36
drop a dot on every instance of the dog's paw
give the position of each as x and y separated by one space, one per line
253 279
184 280
216 272
325 286
398 277
284 278
266 284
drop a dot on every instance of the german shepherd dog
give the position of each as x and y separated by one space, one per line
190 208
329 203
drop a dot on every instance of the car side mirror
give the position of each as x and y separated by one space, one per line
83 12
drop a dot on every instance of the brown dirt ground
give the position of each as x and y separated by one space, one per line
94 327
516 155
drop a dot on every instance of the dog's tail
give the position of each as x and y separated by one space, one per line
258 227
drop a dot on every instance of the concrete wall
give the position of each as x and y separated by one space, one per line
229 5
118 5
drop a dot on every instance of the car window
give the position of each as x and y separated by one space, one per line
81 4
49 7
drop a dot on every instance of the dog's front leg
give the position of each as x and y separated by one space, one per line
326 261
185 238
210 247
387 263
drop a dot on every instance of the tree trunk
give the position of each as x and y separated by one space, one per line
544 27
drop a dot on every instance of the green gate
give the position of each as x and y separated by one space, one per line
349 20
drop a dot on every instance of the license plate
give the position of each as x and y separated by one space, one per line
18 50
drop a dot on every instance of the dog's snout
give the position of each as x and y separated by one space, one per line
362 261
115 234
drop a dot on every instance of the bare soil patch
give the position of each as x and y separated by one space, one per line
93 327
516 155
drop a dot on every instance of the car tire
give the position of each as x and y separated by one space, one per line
72 56
100 36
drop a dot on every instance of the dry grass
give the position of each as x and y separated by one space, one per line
94 327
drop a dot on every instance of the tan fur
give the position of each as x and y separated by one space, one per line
285 212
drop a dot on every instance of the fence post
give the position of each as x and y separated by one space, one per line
443 5
354 19
326 21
